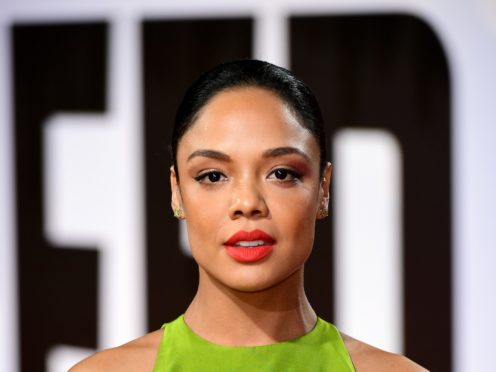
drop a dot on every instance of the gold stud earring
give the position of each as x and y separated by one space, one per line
323 212
178 213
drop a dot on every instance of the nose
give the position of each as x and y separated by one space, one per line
247 201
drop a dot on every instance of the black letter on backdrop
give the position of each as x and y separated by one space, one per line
175 53
390 72
56 68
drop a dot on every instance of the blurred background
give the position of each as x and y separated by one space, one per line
90 255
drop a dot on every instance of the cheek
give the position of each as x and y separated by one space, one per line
295 216
200 205
294 206
204 217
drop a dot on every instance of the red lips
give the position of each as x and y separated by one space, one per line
249 246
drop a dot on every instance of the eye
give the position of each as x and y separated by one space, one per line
210 177
284 174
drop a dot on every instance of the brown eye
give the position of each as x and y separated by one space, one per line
210 177
213 176
283 174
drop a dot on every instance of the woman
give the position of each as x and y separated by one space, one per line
250 178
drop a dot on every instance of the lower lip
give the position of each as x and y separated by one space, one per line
243 254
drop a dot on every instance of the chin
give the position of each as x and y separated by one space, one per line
250 287
253 283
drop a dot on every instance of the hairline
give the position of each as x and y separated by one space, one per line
238 86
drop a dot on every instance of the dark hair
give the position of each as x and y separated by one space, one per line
244 73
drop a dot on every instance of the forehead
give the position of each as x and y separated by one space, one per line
248 118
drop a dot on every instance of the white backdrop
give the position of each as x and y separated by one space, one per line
466 29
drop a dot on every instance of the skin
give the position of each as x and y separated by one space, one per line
243 185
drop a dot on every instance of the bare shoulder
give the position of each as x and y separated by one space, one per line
137 355
367 358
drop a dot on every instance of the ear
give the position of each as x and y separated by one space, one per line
176 199
325 184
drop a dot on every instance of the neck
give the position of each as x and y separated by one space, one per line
229 317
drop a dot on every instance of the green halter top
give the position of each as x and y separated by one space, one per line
321 349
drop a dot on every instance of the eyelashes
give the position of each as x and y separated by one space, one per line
283 175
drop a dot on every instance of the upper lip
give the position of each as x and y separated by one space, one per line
244 236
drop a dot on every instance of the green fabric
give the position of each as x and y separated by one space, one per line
322 349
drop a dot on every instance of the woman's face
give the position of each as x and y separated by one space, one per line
249 176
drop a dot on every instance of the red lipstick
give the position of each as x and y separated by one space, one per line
249 246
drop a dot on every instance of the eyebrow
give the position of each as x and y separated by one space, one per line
212 154
281 151
270 153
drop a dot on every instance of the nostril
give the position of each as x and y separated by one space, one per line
251 212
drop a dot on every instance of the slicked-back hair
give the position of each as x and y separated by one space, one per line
250 73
